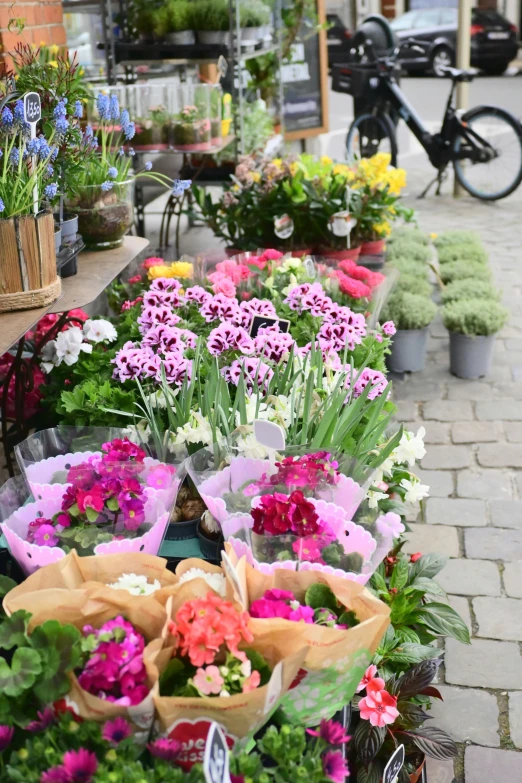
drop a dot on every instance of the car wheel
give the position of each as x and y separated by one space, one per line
441 57
495 69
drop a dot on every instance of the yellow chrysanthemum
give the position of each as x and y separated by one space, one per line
256 176
325 160
277 162
433 235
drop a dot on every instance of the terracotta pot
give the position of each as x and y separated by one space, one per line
373 248
301 251
342 255
415 776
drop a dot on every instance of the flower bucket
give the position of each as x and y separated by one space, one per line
28 276
408 350
471 357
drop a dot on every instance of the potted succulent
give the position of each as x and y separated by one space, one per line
473 325
411 315
174 23
211 20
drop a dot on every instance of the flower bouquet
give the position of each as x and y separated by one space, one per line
339 621
106 502
291 509
213 668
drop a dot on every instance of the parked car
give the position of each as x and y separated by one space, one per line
338 39
493 39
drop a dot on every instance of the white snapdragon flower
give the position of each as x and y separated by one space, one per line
411 447
99 331
415 491
69 344
136 584
215 581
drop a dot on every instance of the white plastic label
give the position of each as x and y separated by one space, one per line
233 578
269 434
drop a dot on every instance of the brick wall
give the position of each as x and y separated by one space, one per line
43 24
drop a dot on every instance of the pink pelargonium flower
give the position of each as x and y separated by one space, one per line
257 306
176 368
165 284
209 681
378 706
219 307
223 285
257 374
370 676
388 328
162 314
227 337
274 345
197 294
154 298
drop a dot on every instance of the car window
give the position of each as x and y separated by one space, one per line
404 22
428 18
486 16
449 16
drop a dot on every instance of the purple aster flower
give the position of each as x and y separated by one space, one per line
107 185
7 116
180 186
113 172
6 735
115 731
80 765
78 110
46 718
331 732
55 775
166 749
51 190
334 766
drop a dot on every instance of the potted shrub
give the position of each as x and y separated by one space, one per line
411 314
461 270
211 20
253 18
473 325
469 288
174 23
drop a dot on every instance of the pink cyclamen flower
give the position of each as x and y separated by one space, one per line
55 775
166 749
6 735
389 328
331 732
370 675
81 765
115 731
334 766
209 681
378 706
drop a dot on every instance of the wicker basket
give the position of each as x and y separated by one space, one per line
28 276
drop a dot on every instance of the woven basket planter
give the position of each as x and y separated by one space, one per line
28 276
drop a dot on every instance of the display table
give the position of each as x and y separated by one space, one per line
96 270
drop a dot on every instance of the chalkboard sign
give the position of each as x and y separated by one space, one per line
305 87
394 766
259 321
32 107
216 760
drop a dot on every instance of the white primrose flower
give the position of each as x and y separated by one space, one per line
136 584
99 331
215 581
415 491
411 447
69 344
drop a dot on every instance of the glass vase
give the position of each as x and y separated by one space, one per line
104 217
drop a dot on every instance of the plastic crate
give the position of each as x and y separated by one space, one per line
353 79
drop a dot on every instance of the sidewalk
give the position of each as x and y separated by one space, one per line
474 514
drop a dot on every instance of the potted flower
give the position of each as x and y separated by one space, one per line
102 194
473 325
192 128
211 20
408 316
174 23
216 114
153 132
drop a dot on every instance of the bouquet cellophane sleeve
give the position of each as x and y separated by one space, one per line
73 573
188 719
336 658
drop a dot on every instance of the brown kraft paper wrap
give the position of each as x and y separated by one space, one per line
336 658
240 716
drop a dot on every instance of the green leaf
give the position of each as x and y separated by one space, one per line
412 714
444 621
430 586
429 566
400 573
378 582
6 584
25 666
417 678
413 653
91 514
407 636
370 775
13 630
321 597
59 649
349 619
368 741
112 504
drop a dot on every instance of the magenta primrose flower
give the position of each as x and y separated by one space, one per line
44 535
6 735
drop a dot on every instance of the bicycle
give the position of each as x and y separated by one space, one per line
482 144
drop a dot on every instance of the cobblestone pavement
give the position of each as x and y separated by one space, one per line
474 514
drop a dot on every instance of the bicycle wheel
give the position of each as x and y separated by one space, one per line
369 134
502 174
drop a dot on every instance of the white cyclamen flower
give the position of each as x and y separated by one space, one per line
69 344
215 581
136 584
415 491
411 447
99 331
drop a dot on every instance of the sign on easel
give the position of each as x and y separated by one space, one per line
33 115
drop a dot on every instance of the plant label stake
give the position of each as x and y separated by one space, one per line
259 321
341 225
394 766
33 114
216 761
222 67
269 434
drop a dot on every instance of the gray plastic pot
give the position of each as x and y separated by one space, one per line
214 37
408 350
470 357
57 239
181 38
69 226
